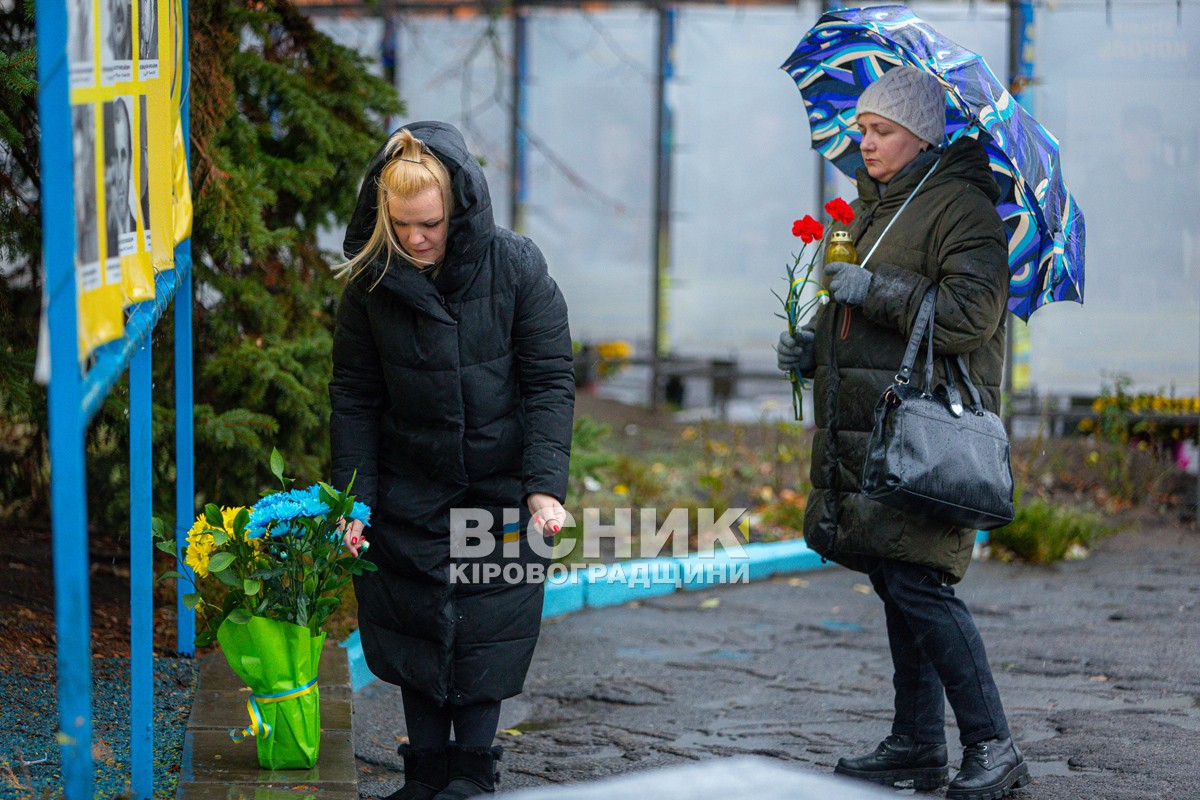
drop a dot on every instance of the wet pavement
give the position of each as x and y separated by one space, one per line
1098 664
216 768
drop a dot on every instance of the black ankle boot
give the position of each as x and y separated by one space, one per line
472 772
989 770
425 772
899 758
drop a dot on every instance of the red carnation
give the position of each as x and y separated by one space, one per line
840 210
808 229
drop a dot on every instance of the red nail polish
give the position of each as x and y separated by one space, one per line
353 540
555 527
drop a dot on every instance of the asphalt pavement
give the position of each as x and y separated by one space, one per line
1097 660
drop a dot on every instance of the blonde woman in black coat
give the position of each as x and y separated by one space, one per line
452 392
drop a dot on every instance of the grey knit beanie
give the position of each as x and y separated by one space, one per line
910 97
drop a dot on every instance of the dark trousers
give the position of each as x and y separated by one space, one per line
936 649
429 724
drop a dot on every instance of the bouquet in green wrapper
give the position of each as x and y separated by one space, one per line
266 578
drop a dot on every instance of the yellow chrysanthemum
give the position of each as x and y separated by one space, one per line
227 516
199 550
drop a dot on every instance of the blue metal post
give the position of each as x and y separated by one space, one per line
185 463
141 572
68 495
185 494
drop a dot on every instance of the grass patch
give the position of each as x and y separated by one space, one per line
1043 532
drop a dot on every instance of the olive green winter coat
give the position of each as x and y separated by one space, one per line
950 234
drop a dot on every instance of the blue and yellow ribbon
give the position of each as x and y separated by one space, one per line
794 313
257 723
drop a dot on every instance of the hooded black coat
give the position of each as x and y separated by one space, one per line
450 392
951 235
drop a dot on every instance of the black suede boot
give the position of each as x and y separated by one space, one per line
425 772
472 772
899 758
990 769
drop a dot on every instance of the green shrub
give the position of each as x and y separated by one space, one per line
588 456
1043 532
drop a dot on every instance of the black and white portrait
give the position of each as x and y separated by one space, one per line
116 40
144 170
147 39
120 222
87 234
79 43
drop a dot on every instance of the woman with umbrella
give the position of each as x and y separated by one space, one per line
452 391
951 236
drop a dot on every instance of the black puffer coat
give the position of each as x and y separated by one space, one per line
950 234
454 392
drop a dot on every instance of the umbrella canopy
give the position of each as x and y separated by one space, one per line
848 49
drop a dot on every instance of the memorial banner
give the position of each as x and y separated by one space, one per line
122 111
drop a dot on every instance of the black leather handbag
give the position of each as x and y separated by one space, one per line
930 455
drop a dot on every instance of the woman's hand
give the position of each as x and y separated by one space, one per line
848 283
353 536
548 514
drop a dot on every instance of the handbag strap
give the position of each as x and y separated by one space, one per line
923 322
923 328
976 400
896 216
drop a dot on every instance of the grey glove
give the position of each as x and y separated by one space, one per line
848 283
796 353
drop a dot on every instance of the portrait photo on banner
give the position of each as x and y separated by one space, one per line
87 234
120 217
147 39
116 41
144 170
80 54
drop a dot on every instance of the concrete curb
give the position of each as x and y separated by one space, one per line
601 585
215 768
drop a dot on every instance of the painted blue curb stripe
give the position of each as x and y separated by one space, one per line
564 595
602 585
360 675
625 581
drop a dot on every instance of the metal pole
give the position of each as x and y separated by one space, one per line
141 572
1020 75
827 185
68 495
185 463
659 346
518 178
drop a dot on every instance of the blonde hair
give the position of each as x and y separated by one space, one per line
409 169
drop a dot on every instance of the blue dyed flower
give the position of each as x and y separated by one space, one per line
312 503
278 507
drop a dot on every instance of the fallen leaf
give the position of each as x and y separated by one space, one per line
862 588
511 731
101 751
1099 678
711 602
797 582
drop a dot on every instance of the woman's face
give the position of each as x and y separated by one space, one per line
887 147
420 224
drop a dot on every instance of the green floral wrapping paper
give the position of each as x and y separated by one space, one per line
278 661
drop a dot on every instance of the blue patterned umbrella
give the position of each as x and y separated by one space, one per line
848 49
